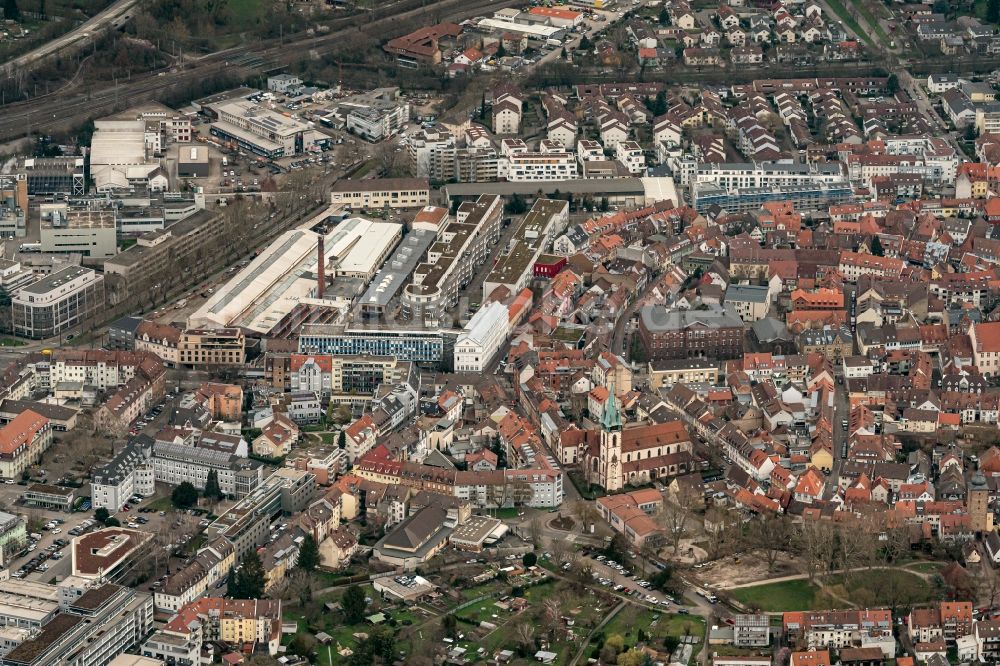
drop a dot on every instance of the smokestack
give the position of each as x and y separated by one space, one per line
320 268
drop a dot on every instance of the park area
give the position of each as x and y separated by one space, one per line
856 589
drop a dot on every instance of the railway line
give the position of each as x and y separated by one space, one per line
74 108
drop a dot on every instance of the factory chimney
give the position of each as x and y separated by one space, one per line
320 268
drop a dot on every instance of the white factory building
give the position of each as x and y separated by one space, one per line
120 157
285 273
478 343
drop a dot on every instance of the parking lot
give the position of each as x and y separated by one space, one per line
624 580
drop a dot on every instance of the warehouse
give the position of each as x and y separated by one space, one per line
285 274
262 131
192 162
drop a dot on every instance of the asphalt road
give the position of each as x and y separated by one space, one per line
114 16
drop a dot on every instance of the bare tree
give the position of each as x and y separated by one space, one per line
771 535
586 513
386 157
674 520
552 613
526 634
815 543
535 530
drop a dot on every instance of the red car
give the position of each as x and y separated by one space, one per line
126 507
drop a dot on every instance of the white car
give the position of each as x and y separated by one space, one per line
57 531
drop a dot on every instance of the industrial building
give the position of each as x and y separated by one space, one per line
13 205
54 175
261 131
91 231
121 159
381 193
57 303
286 273
192 162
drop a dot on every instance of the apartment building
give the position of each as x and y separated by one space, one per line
462 245
327 375
210 565
176 462
514 268
840 629
22 442
667 372
254 624
985 338
247 524
377 193
524 167
129 473
211 347
58 303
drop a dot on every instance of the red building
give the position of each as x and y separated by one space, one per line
549 265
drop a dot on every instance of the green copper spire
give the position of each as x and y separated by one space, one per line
612 420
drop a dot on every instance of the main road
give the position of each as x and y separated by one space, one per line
113 16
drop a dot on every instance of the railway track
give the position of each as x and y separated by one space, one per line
52 113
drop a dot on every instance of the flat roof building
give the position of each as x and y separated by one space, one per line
192 162
546 220
285 274
91 231
381 193
395 272
58 303
260 130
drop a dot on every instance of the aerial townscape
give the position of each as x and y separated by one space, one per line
424 332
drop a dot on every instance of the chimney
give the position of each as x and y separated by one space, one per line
320 267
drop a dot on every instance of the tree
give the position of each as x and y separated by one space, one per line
212 489
564 54
450 625
11 10
184 496
250 579
102 515
308 554
342 440
673 519
993 11
501 51
302 644
660 104
892 84
664 17
771 535
112 522
353 604
516 205
877 250
529 559
605 205
634 657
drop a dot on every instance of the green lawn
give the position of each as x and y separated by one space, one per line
841 11
926 567
161 504
792 595
882 587
11 342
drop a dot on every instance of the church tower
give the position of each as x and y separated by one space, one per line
611 444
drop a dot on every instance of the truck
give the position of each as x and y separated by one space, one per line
225 161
